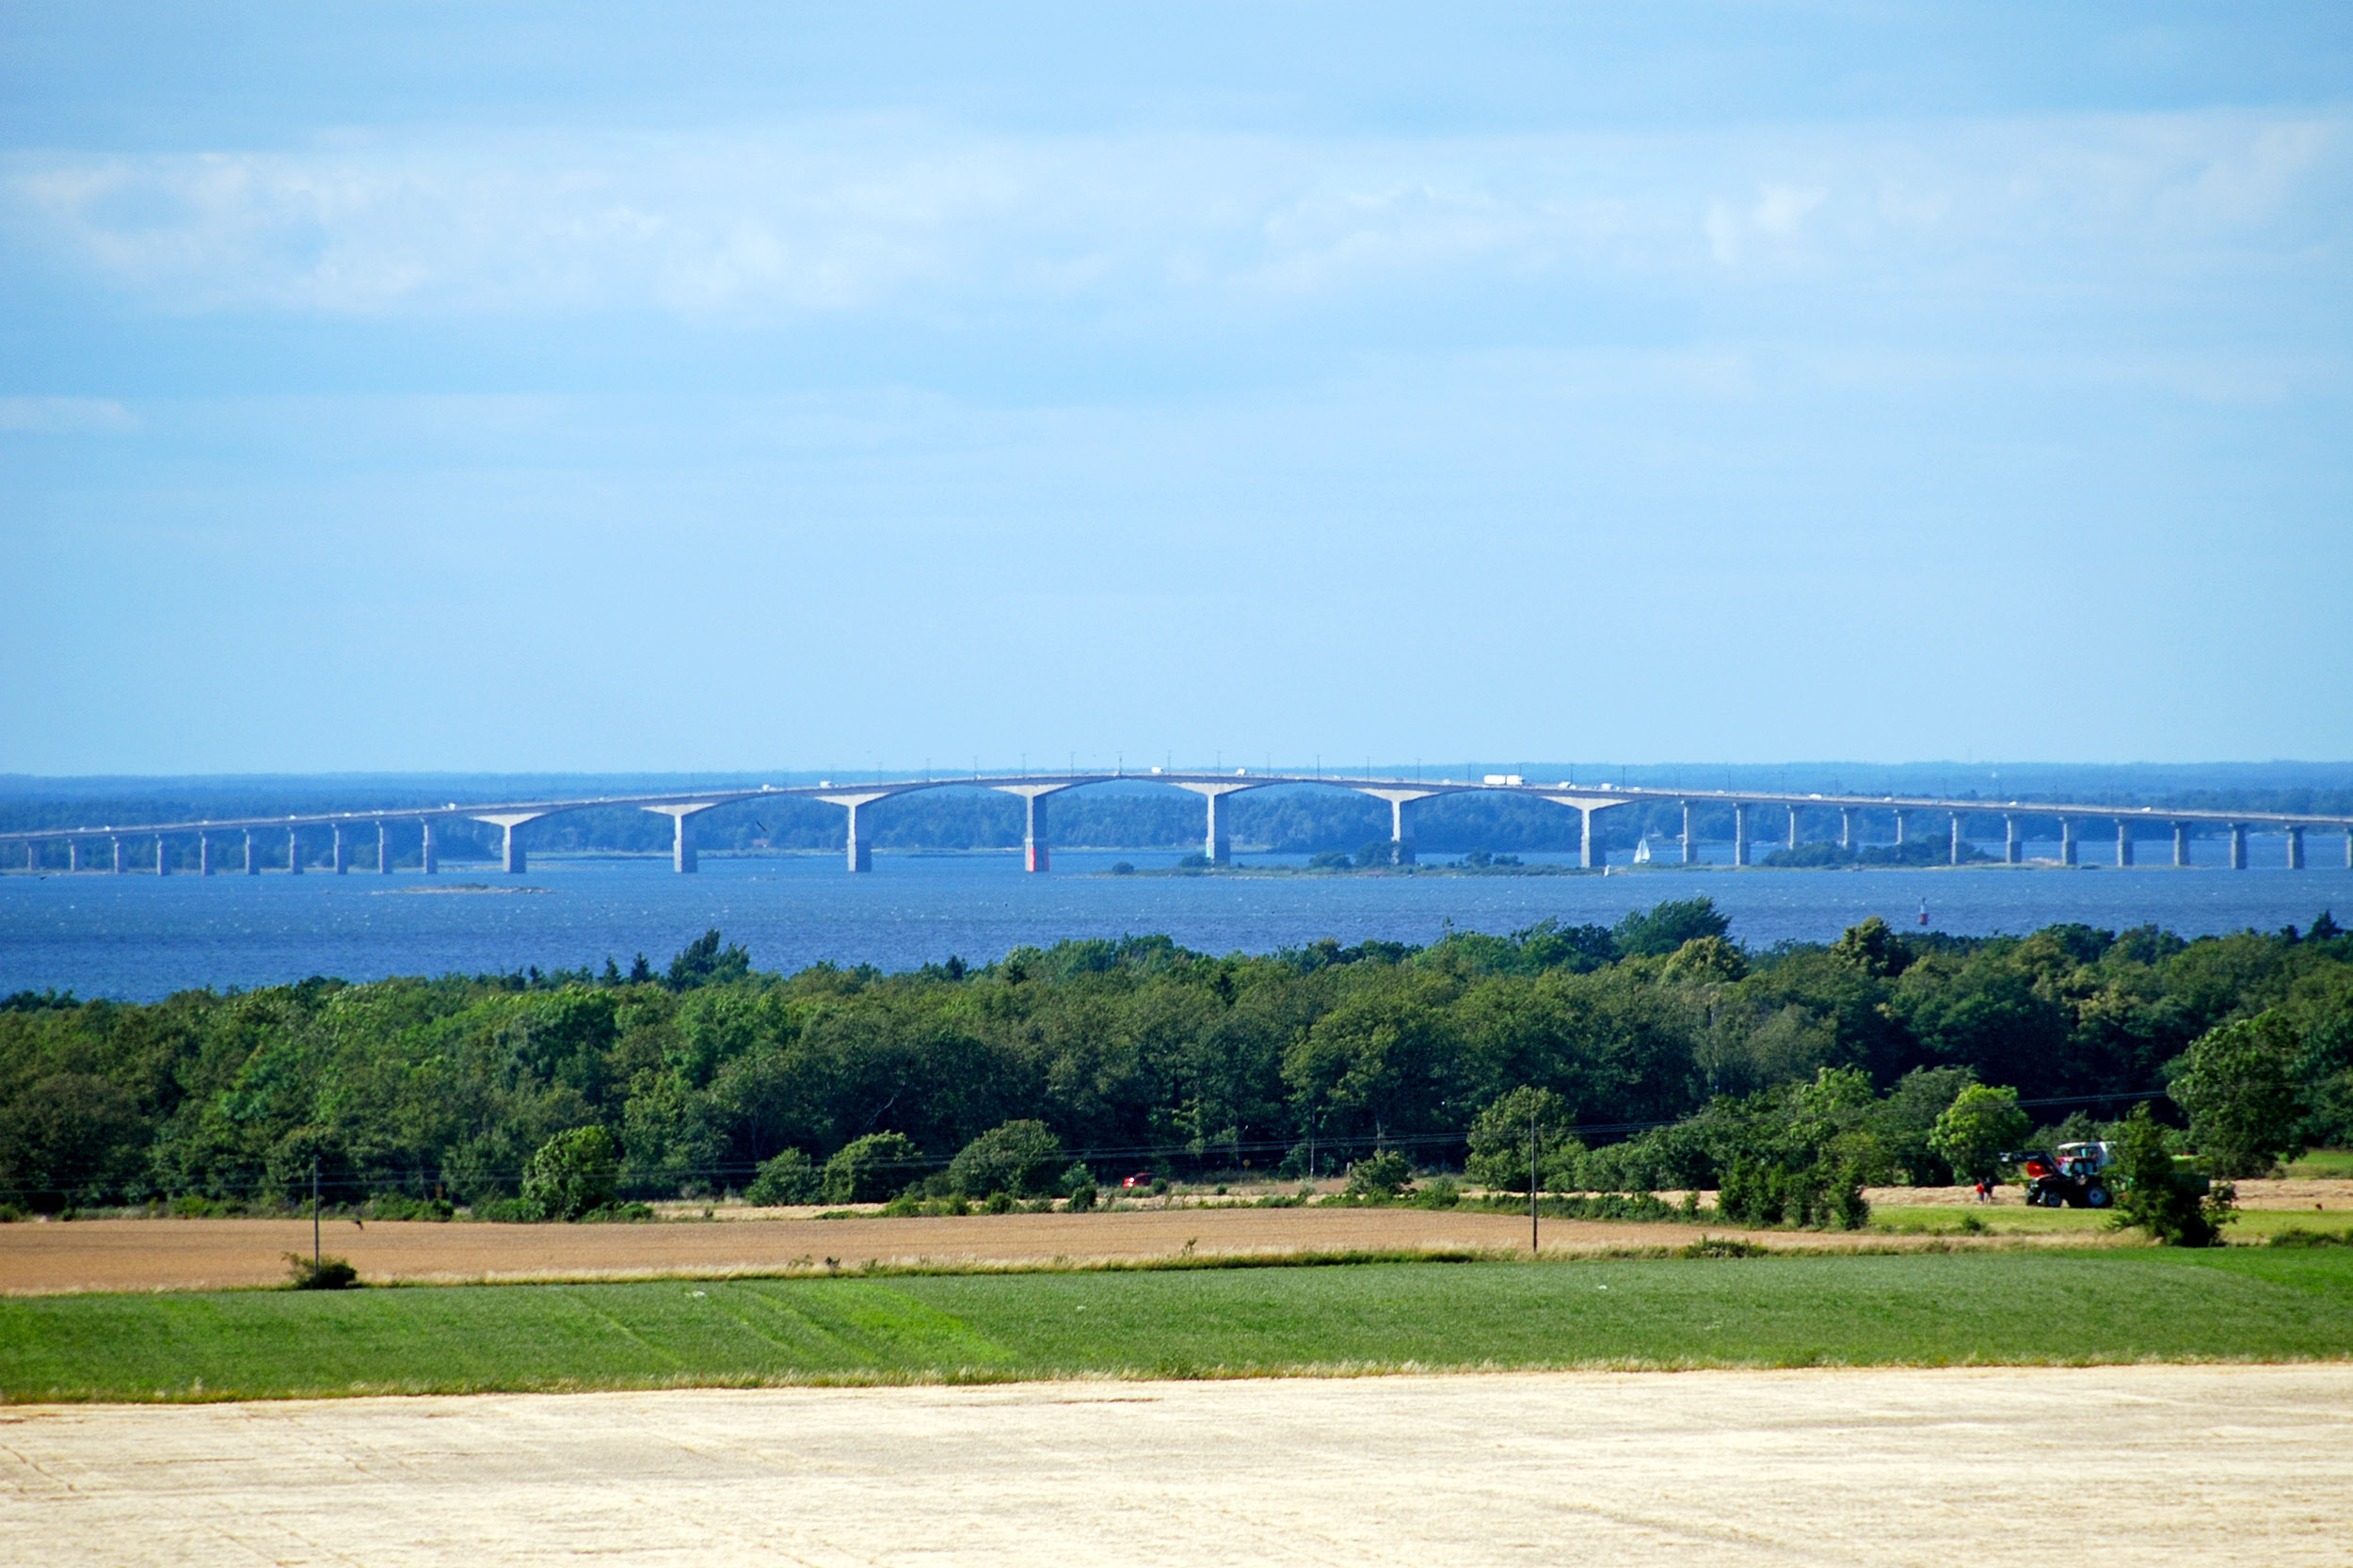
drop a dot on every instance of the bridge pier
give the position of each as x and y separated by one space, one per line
1953 856
1035 855
204 855
2348 850
2124 842
73 855
2181 843
252 855
294 852
1793 827
2068 855
118 867
2295 847
32 855
1401 850
2238 846
431 853
163 857
1691 840
1217 845
857 845
1740 833
341 856
384 848
2013 848
1846 828
1903 820
511 859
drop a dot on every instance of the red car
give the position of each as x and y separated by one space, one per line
1142 1178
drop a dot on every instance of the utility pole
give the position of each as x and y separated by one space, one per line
314 1214
1533 1249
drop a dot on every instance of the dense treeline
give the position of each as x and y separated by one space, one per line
698 1074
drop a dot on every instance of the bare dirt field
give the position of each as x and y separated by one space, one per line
194 1255
2146 1464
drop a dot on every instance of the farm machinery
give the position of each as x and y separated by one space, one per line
2072 1176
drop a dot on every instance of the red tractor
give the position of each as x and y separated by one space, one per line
2074 1177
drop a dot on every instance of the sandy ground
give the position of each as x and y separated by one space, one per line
190 1254
2141 1465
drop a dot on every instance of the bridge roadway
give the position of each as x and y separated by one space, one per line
1215 789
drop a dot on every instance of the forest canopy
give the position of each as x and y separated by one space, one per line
1662 1053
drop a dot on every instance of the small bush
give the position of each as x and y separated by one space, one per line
786 1177
2296 1236
400 1206
2176 1209
1082 1197
1385 1174
506 1211
1019 1158
617 1213
327 1273
870 1169
9 1213
1444 1193
999 1202
1722 1246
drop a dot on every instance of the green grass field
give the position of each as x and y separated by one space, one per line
1933 1309
2091 1225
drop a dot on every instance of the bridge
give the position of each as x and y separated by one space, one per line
328 840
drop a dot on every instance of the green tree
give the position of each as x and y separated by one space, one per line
2239 1084
1669 925
573 1173
1873 949
1982 1123
2172 1207
784 1178
704 962
1022 1157
1706 961
1499 1143
870 1169
70 1138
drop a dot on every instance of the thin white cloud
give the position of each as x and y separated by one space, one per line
65 416
866 218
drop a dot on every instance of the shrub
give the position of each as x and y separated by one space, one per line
2175 1210
572 1175
1444 1193
9 1214
870 1169
2296 1236
999 1202
327 1273
1722 1246
506 1211
785 1177
1385 1174
1022 1157
399 1206
1078 1185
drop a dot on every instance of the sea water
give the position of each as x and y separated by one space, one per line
134 938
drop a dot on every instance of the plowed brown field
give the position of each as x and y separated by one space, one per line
196 1255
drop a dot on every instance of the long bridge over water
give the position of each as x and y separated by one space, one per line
330 840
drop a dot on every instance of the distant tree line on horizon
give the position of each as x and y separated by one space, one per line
1650 1055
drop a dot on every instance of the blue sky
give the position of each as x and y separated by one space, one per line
461 386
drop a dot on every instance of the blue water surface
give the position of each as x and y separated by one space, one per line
136 937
